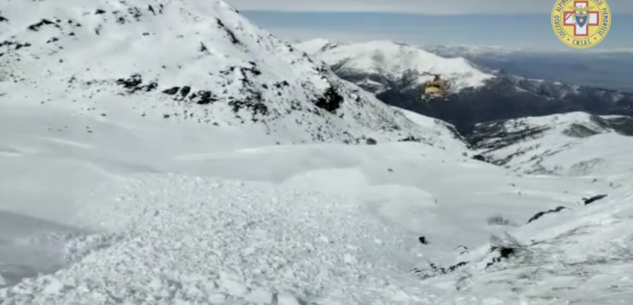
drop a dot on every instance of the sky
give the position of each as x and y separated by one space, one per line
523 24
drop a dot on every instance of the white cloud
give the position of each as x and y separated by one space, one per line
432 7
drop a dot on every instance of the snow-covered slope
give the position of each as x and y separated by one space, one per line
316 46
181 60
110 206
576 143
570 254
453 140
393 60
149 217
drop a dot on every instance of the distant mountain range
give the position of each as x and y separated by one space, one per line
394 73
595 68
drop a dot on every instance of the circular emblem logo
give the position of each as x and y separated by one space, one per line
581 24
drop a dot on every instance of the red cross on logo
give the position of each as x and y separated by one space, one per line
569 19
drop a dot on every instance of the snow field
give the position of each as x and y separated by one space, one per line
112 196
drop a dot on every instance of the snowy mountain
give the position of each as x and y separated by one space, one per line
215 67
109 195
380 61
556 144
604 68
481 94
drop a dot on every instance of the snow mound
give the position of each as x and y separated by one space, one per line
574 144
394 60
193 61
204 240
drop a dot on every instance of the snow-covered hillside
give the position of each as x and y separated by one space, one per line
451 139
108 195
576 143
181 60
149 212
393 60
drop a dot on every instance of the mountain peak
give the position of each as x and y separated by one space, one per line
190 61
385 57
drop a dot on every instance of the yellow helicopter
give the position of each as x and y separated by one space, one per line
435 89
